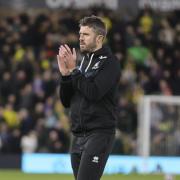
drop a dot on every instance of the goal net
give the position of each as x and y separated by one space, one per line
159 126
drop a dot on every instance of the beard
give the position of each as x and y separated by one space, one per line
88 48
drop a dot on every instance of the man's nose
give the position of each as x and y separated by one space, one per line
81 38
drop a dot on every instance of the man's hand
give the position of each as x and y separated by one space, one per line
62 63
69 56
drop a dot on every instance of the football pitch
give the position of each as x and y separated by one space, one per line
17 175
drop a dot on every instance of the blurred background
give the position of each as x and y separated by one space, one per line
144 36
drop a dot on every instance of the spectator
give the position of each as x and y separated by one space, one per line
29 142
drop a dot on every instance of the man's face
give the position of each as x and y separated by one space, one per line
87 39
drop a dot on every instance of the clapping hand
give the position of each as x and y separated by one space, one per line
66 59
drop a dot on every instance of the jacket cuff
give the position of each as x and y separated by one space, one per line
76 72
65 78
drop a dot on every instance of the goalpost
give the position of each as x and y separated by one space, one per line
158 126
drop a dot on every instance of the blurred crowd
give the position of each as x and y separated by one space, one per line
165 129
32 118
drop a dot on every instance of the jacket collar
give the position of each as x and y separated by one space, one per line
105 50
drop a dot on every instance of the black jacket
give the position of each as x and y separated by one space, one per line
91 92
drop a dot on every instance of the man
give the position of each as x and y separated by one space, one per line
90 91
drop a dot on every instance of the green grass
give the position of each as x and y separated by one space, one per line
17 175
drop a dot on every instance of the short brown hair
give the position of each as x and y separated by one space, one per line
94 22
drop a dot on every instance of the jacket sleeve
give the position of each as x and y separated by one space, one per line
66 90
102 83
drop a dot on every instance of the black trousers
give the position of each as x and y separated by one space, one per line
89 155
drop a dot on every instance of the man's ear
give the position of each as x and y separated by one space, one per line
100 38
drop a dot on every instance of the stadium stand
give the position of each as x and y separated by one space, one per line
32 118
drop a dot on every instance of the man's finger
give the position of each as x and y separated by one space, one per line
64 51
67 48
61 53
74 52
58 61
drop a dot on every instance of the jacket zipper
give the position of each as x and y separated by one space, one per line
81 121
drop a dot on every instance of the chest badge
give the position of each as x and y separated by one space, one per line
96 66
102 57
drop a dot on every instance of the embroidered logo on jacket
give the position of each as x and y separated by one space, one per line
102 57
95 159
96 66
